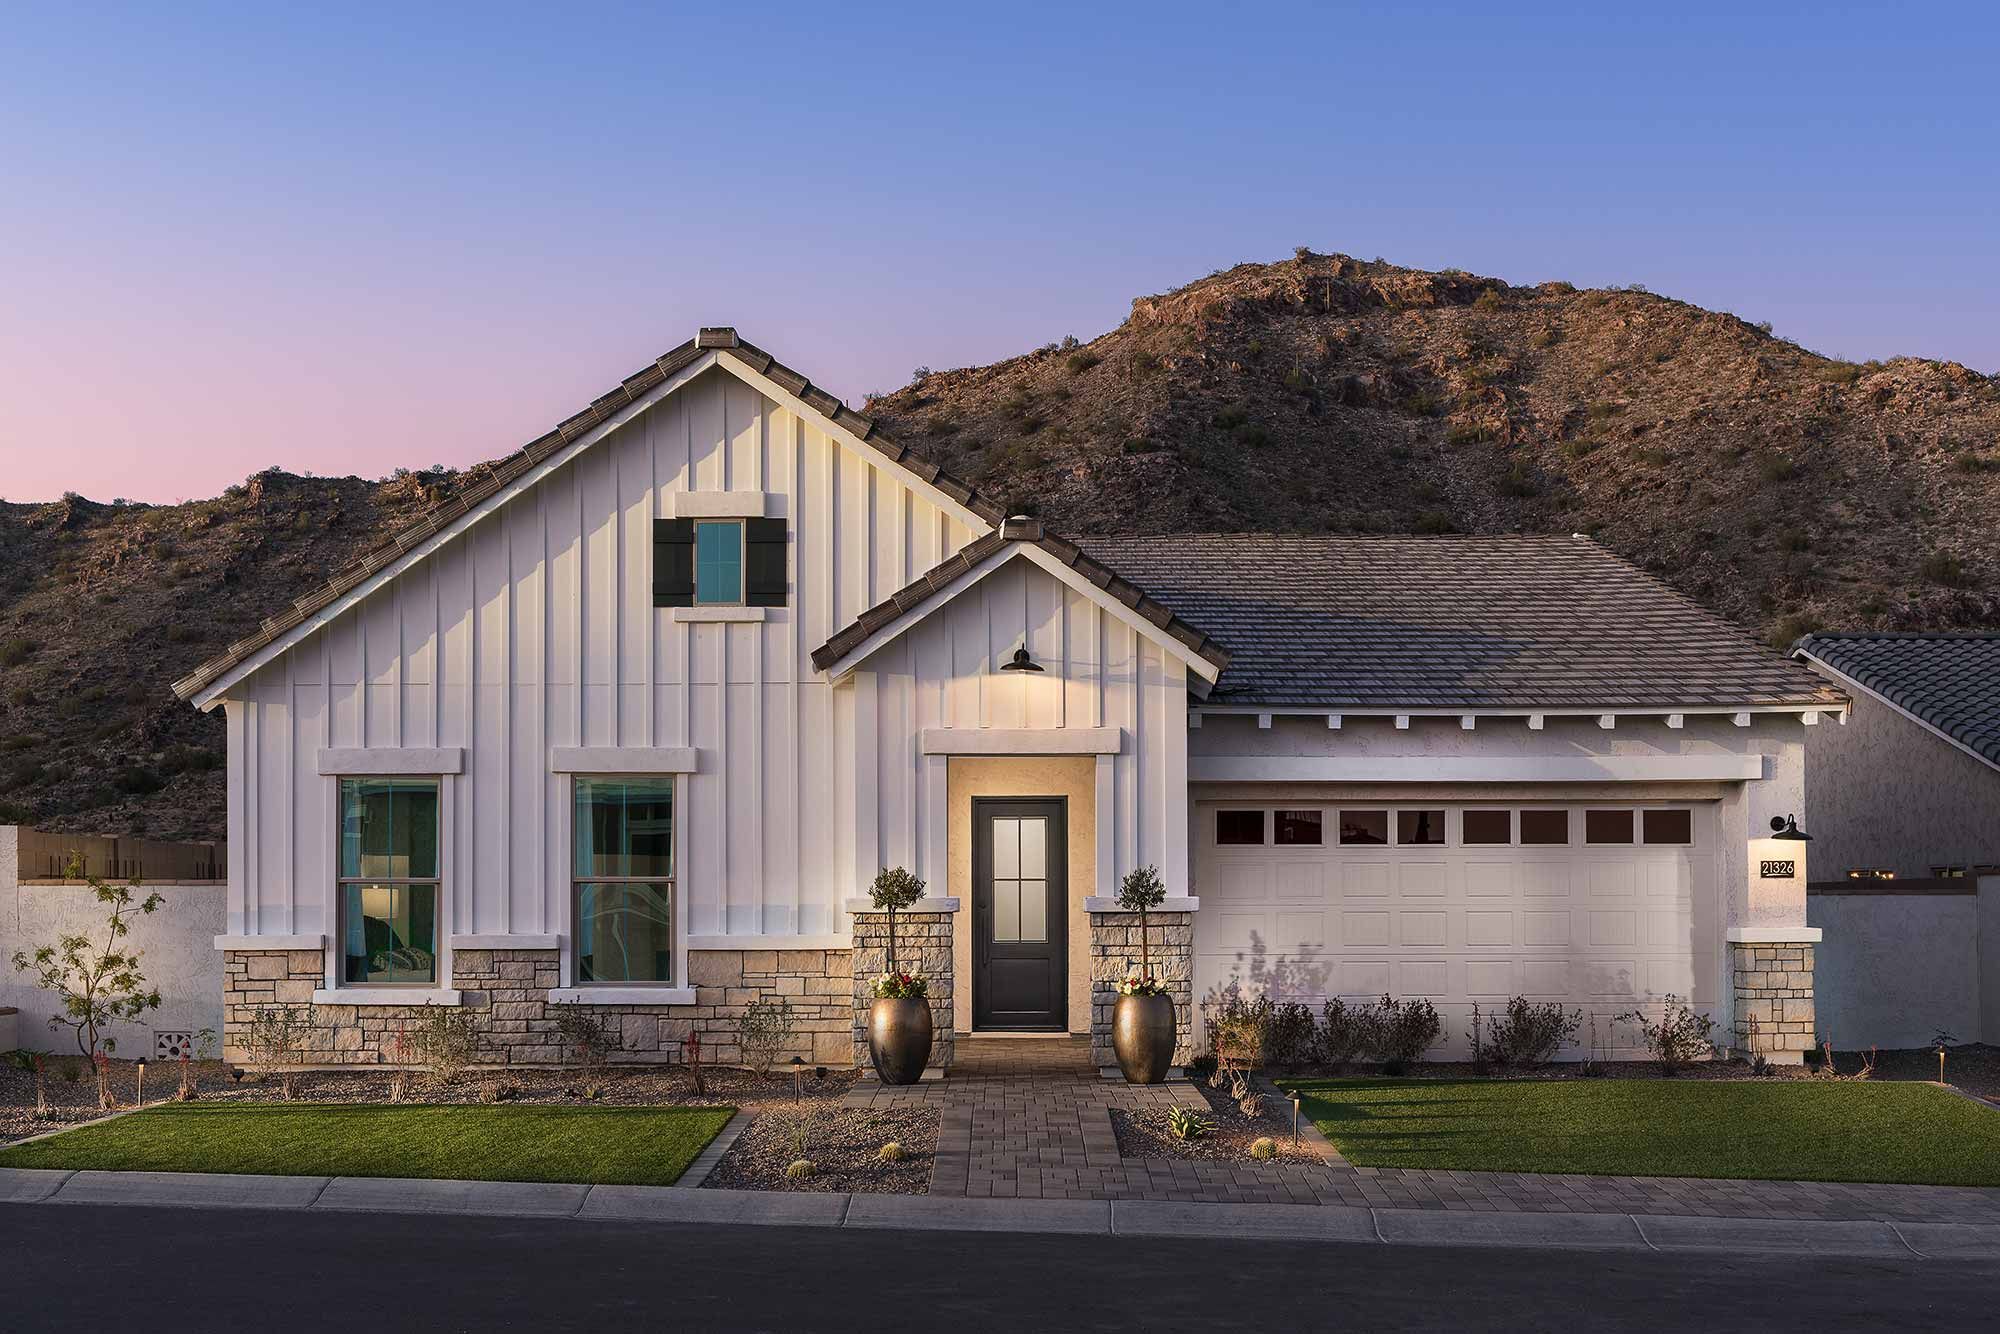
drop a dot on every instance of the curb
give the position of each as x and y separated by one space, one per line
1656 1233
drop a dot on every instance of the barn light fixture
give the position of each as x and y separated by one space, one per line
1786 829
1021 662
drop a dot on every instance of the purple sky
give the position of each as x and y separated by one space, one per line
355 239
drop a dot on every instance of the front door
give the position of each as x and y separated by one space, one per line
1020 923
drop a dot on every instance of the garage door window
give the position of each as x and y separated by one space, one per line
1545 828
1296 828
1239 829
1368 828
1675 828
1607 826
1484 828
1420 828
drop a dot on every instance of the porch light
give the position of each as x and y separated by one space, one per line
1021 662
1786 829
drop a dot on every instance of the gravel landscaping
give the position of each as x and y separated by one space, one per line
842 1143
1145 1134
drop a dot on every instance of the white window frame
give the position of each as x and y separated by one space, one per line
681 991
337 990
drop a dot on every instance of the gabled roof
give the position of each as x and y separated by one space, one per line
908 604
1529 623
1949 683
493 480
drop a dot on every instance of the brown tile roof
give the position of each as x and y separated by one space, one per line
489 478
969 556
1950 682
1524 623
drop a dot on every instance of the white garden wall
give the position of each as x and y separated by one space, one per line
1895 967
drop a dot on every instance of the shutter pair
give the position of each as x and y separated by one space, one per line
763 562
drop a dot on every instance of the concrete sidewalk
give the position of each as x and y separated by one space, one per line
1663 1233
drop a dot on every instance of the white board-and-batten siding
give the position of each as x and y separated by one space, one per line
534 629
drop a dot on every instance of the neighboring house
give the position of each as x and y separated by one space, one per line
1906 814
634 722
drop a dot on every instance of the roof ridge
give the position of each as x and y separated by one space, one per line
1852 635
492 474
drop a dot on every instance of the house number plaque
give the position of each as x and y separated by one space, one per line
1778 870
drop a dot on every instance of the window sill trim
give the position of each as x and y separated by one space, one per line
719 615
613 995
366 996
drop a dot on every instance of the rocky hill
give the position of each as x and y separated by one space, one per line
1322 393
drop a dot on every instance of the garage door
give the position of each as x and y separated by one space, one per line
1602 907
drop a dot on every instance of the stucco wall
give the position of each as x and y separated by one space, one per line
1887 792
1072 777
1895 968
177 943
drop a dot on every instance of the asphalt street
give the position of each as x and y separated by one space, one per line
74 1267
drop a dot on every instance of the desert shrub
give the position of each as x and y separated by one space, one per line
1407 1029
1489 300
1346 1031
276 1037
588 1038
1840 372
1083 360
768 1027
1542 338
1237 1028
1776 468
1677 1037
1297 380
1944 567
1527 1034
1433 522
1203 1066
1520 481
444 1041
1229 418
1288 1037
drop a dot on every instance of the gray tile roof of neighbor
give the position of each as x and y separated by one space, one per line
1451 622
1949 681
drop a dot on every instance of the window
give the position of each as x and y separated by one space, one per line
1947 873
1607 826
1296 828
1367 828
1020 878
1870 873
623 875
1420 828
1489 827
1238 829
1676 827
388 880
718 562
1545 828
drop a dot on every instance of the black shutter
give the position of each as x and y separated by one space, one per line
764 562
673 562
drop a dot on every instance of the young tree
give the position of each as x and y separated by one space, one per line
1140 891
99 984
894 888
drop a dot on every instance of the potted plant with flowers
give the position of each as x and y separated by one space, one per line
1142 1029
899 1022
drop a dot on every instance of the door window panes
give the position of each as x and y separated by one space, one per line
1020 879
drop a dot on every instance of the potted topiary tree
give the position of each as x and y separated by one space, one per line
899 1022
1142 1030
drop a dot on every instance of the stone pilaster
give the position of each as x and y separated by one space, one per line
923 944
1774 998
507 993
1114 951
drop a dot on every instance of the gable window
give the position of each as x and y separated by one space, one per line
719 562
1296 828
388 880
622 877
1239 829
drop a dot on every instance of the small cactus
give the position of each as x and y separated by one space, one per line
1263 1147
1251 1105
892 1152
799 1169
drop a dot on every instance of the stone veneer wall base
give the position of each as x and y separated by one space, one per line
1114 951
506 992
923 944
1774 1000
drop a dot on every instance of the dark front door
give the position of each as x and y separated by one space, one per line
1020 893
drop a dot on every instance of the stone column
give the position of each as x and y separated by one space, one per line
1772 972
1114 951
923 945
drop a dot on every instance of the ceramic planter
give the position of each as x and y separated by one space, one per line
1142 1035
899 1039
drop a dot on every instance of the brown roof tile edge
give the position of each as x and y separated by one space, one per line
492 477
969 556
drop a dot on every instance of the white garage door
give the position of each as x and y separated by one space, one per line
1602 907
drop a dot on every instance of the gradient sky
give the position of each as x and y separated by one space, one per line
347 239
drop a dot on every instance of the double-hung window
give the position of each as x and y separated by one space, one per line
718 563
623 879
388 881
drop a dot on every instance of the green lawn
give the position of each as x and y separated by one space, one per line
1772 1130
641 1146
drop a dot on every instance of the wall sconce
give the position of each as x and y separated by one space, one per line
1786 829
1021 662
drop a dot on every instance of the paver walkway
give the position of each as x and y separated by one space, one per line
1030 1117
